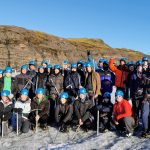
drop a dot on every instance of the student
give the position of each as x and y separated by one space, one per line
82 106
6 107
105 111
63 112
40 108
23 108
122 113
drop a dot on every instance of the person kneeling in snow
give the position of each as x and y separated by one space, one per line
6 107
83 110
63 112
105 109
123 115
23 108
40 109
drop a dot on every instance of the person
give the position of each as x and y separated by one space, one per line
40 108
122 115
23 108
22 80
145 65
137 90
63 112
81 69
32 73
8 79
107 77
40 79
146 116
92 83
6 107
72 82
105 111
55 86
1 80
82 108
65 68
121 73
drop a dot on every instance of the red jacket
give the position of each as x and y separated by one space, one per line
122 109
121 75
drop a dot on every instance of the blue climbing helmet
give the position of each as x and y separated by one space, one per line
102 60
119 93
144 59
57 67
40 67
24 92
123 59
32 62
139 63
106 95
89 64
5 93
40 91
73 65
8 69
82 91
130 63
64 95
66 62
49 66
44 62
1 71
24 67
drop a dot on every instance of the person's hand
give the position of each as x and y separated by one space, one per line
95 96
116 122
37 117
80 122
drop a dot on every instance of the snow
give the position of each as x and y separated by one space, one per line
43 140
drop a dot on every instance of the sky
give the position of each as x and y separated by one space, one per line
120 23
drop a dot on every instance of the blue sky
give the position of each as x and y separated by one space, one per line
120 23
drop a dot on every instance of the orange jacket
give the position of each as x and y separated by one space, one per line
121 75
122 109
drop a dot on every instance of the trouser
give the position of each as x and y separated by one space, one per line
126 124
146 115
104 123
136 105
23 125
42 121
4 128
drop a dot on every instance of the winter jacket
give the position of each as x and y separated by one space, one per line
6 110
63 111
43 106
121 75
55 82
25 106
72 83
1 84
21 81
39 81
122 109
107 79
96 84
81 109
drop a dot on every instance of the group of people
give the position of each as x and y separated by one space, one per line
69 96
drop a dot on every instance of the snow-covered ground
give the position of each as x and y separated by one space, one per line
43 140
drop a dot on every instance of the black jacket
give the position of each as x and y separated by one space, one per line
6 110
81 108
63 113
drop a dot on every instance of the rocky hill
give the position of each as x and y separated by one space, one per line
19 45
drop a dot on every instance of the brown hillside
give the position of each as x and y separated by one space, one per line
18 46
